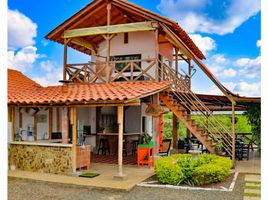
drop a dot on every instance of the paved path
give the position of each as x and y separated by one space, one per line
20 189
252 187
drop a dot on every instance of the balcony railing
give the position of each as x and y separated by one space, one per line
125 70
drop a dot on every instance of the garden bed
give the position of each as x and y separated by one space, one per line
226 185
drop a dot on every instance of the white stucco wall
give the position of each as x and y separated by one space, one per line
149 119
138 43
133 119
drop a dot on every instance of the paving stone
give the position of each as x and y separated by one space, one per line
251 198
253 184
255 191
249 177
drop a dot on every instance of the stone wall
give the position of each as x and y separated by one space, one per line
45 159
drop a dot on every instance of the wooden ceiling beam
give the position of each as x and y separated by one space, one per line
112 29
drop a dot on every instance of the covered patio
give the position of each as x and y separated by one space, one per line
61 107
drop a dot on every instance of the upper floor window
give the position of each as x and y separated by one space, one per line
120 66
125 38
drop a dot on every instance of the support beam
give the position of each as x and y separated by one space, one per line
64 125
233 134
174 130
35 126
74 135
50 124
109 29
189 71
155 100
58 119
84 43
20 118
176 61
120 121
156 55
12 123
64 59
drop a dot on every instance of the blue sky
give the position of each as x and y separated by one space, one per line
227 31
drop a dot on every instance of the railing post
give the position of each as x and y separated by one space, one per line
156 55
233 134
64 59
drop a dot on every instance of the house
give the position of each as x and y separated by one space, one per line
135 65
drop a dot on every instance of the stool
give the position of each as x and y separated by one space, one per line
124 148
134 144
104 146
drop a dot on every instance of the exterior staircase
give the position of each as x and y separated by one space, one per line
186 105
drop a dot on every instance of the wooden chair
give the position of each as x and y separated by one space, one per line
166 143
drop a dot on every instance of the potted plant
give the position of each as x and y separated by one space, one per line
145 150
145 140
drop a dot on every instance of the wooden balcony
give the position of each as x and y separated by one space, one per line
126 70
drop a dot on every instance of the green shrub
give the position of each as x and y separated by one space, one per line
167 171
183 168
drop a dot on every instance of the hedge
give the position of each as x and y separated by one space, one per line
183 168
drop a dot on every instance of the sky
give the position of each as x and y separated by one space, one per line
227 32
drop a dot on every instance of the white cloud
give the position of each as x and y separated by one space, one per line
23 59
209 16
242 62
228 73
251 68
21 30
51 74
205 44
241 88
258 43
47 65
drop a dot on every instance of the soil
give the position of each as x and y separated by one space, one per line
226 183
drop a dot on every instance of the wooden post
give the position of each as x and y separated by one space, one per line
156 57
74 136
120 121
174 130
20 119
58 119
176 61
233 134
108 44
65 59
13 123
35 126
64 124
189 71
50 124
155 127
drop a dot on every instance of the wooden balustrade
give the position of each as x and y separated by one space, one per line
124 70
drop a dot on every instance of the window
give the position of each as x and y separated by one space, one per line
120 66
125 38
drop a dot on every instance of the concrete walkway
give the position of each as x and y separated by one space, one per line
104 180
253 165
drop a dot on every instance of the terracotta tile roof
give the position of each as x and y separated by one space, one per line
23 90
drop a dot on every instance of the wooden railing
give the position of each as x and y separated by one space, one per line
126 70
210 124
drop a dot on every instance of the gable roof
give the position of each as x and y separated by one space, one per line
24 91
94 14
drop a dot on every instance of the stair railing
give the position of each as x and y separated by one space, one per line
192 103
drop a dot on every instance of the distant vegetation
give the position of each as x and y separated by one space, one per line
241 125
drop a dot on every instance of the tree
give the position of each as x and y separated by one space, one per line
253 114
